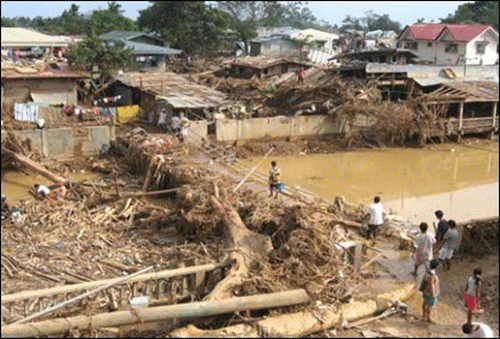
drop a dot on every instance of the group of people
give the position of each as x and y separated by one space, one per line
173 124
444 243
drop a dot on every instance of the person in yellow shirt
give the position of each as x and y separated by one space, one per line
274 179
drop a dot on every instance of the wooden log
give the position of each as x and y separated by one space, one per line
33 165
247 247
179 311
304 323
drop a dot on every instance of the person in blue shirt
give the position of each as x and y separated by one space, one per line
442 226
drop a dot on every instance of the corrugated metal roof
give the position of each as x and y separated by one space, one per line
471 91
427 71
142 48
23 37
121 35
176 90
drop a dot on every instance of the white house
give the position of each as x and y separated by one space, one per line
451 44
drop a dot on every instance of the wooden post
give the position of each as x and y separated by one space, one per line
460 116
495 105
180 311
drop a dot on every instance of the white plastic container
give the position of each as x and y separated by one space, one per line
139 302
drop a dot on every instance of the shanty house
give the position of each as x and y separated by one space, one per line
451 44
55 85
257 66
156 90
148 49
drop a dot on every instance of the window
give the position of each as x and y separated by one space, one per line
451 48
429 44
480 48
412 46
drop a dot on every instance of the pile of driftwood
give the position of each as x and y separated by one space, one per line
99 231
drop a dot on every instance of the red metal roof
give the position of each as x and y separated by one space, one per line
462 33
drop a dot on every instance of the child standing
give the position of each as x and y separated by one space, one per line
472 294
430 290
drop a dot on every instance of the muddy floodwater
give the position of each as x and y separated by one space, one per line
460 180
16 185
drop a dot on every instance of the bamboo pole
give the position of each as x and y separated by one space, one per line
92 292
93 284
179 311
253 169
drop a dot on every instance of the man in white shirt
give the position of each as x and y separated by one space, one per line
422 252
41 191
376 217
162 120
477 330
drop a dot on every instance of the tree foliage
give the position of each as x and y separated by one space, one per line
370 22
93 51
192 26
109 20
485 12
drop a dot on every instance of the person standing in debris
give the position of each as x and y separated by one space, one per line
477 330
376 211
422 252
300 76
175 124
472 294
274 179
430 289
442 226
162 121
184 127
449 244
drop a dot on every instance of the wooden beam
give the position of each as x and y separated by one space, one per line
92 284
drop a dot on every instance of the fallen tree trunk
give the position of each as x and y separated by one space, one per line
35 166
303 323
179 311
246 247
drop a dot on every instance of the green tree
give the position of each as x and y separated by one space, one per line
370 22
114 7
485 12
192 26
93 51
107 21
8 22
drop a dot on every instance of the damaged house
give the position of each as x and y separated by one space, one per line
248 67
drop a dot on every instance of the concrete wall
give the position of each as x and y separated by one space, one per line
197 130
62 142
282 127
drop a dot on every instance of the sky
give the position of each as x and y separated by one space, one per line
405 12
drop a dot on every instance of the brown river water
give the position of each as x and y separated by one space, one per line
460 180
